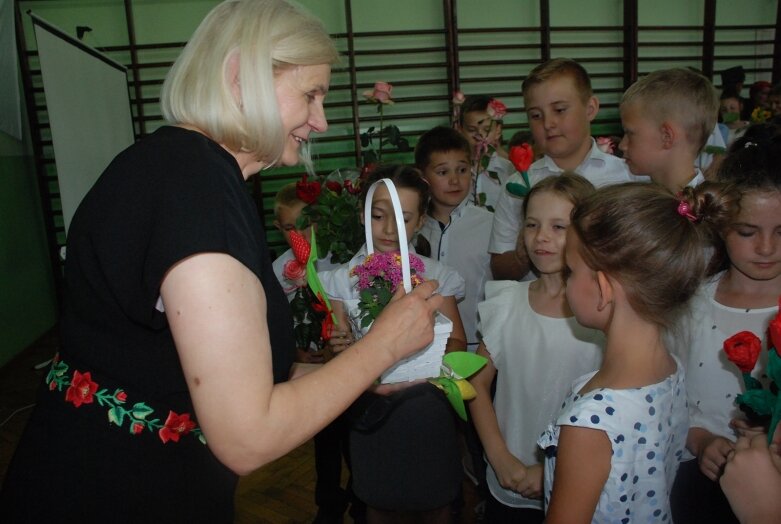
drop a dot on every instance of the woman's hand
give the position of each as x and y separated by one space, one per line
744 429
752 479
406 325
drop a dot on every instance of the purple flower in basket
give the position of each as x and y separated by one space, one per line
379 276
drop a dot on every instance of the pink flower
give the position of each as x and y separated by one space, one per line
606 145
295 272
381 94
496 109
458 97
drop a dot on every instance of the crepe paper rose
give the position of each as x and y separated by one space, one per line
381 94
307 191
300 247
379 276
606 145
774 329
496 109
82 389
743 349
175 426
522 157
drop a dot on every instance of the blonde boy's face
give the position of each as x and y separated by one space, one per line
449 176
642 142
560 121
286 219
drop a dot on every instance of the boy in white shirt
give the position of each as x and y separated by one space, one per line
455 228
560 105
668 116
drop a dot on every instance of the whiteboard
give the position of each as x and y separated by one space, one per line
88 104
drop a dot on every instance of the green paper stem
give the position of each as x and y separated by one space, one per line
775 419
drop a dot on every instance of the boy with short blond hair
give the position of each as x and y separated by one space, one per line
560 105
668 116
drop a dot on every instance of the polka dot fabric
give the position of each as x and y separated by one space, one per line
647 429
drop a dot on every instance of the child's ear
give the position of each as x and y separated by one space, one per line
592 108
669 133
277 224
606 291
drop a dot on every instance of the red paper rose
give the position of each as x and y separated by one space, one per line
774 330
176 426
496 109
300 246
743 349
81 390
307 191
522 157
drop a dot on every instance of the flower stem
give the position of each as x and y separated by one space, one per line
379 152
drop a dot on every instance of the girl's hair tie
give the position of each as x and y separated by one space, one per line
685 210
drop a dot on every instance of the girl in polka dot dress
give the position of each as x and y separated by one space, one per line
741 296
635 257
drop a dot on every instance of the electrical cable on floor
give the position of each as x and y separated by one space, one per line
14 413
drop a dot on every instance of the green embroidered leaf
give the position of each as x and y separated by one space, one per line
760 400
493 174
463 363
141 410
481 197
116 415
490 208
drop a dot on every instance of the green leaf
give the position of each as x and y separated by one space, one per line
365 140
760 400
481 197
751 382
493 174
141 410
454 396
403 145
463 363
393 135
116 415
366 321
774 366
517 190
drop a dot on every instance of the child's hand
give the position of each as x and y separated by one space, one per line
340 340
307 357
531 487
514 475
713 455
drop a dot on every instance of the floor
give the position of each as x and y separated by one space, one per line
279 493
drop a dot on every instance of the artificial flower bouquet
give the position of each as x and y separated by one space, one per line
761 406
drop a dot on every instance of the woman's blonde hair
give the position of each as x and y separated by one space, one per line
268 36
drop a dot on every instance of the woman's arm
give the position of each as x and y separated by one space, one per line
457 339
510 471
216 309
582 468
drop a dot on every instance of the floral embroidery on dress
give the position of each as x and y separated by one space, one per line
83 390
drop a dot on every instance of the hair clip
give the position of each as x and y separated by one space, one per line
749 144
685 210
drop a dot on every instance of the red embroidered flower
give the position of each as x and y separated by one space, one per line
175 426
52 385
774 330
81 390
120 396
496 109
307 191
334 186
137 428
522 157
743 349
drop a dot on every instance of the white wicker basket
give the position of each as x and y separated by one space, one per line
425 363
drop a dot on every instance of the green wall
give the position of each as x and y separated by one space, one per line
27 299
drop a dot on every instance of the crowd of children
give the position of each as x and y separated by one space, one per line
600 300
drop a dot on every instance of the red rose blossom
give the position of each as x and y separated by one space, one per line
307 191
295 272
522 157
334 186
743 349
175 426
496 109
81 390
352 189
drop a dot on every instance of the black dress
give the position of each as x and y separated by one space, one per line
114 436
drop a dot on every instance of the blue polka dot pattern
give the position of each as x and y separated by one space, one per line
647 441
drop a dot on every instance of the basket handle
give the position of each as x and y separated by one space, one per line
401 230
